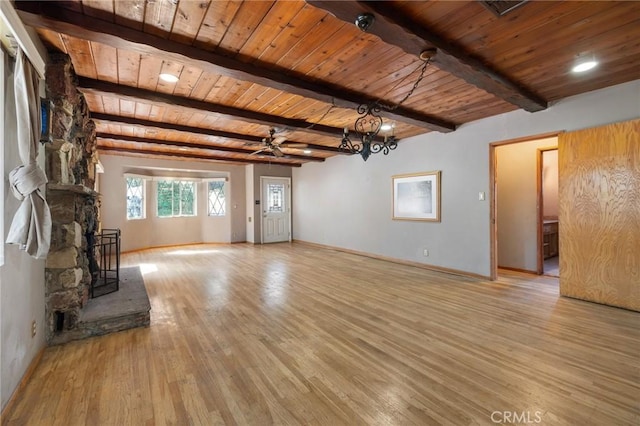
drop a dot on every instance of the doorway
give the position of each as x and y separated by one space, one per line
276 211
514 203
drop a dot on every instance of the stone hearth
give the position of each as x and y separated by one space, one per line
121 310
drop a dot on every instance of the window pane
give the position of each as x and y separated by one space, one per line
216 199
276 198
135 198
165 198
176 198
187 198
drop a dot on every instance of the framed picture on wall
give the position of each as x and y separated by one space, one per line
416 196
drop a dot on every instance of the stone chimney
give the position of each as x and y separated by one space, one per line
71 161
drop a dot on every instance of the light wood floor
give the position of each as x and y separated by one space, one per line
290 334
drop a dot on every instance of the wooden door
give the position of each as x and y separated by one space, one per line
599 194
275 210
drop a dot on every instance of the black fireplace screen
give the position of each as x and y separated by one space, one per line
106 279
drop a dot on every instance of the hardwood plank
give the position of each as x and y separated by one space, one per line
244 23
297 30
83 57
294 334
130 13
216 23
150 67
159 16
106 62
275 22
188 19
128 70
189 77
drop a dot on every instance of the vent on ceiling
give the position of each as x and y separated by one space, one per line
502 7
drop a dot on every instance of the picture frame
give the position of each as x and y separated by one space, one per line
45 120
416 196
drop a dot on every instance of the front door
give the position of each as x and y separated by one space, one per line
275 210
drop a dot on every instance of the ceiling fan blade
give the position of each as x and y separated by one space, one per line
279 140
257 152
294 145
276 151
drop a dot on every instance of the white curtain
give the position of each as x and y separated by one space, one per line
31 226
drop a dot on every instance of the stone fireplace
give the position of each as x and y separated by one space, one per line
71 161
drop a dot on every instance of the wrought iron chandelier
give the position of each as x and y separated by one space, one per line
368 125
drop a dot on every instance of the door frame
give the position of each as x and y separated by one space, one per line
493 199
262 201
540 206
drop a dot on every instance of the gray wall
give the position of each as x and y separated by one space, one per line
346 202
153 231
21 277
517 203
254 188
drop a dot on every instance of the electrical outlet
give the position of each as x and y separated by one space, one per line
33 328
425 252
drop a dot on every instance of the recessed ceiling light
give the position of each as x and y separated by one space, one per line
584 63
307 151
169 78
386 127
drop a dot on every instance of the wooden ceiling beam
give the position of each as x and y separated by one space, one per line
103 88
191 155
55 18
162 142
131 121
413 38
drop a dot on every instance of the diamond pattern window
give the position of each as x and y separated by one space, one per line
216 199
135 198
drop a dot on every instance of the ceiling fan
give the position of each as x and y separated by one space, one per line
271 144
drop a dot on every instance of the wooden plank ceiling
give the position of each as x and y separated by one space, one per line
302 68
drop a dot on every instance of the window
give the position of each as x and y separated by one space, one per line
135 198
176 198
216 199
275 197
